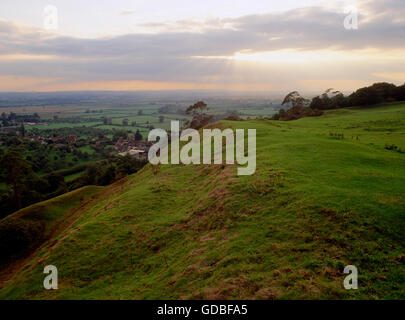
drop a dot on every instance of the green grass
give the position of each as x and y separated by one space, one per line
73 176
59 125
87 149
142 122
257 112
143 131
315 204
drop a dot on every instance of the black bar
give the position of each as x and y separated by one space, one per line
204 309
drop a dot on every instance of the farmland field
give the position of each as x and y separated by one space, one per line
145 116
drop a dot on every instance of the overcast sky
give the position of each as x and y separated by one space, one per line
242 45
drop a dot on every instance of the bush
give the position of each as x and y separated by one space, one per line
18 235
7 203
393 147
296 113
233 118
107 175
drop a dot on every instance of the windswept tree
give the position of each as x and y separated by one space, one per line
330 99
299 108
200 117
296 100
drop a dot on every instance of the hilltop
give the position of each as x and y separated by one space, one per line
328 192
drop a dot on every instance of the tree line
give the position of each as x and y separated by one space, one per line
25 187
300 107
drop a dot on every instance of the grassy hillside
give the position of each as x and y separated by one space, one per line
29 228
318 202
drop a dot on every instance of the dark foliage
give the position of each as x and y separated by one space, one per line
375 94
18 235
200 117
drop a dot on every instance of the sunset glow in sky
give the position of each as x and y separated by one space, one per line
256 45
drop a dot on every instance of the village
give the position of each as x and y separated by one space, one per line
122 147
135 148
132 145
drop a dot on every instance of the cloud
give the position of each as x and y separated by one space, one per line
311 28
125 12
166 52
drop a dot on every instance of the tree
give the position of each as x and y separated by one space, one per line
330 99
200 117
316 103
138 136
140 112
128 165
400 93
339 101
119 134
298 104
161 119
17 171
374 94
296 100
55 182
89 177
125 122
364 96
22 130
107 175
386 91
299 108
35 131
232 115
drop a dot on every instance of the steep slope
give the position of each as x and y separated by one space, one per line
316 203
26 230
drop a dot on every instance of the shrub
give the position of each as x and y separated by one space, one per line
393 147
18 235
233 118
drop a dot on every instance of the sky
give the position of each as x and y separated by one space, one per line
238 45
